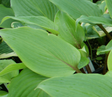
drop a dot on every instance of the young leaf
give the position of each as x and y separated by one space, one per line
7 77
43 53
34 8
67 30
76 8
78 85
24 85
104 49
11 68
36 20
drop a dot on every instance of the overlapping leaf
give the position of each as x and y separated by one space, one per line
43 53
34 8
95 20
24 85
7 77
76 8
6 51
36 20
12 67
6 12
79 85
109 6
104 49
3 94
67 30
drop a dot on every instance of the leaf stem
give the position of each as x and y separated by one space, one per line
77 70
105 64
105 31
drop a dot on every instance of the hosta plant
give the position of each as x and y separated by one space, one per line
49 38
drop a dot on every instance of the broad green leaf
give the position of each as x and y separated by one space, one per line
109 61
109 73
43 53
3 94
36 20
67 30
104 49
109 6
34 8
76 8
12 67
7 77
24 85
78 85
6 12
95 20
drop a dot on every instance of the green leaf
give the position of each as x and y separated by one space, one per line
104 49
78 85
7 77
100 31
95 20
24 85
102 6
3 94
84 56
36 20
4 80
76 8
109 61
16 24
91 31
12 67
6 12
67 30
43 53
109 73
6 51
109 6
34 8
20 24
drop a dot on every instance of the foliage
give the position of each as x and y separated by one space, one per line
49 38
